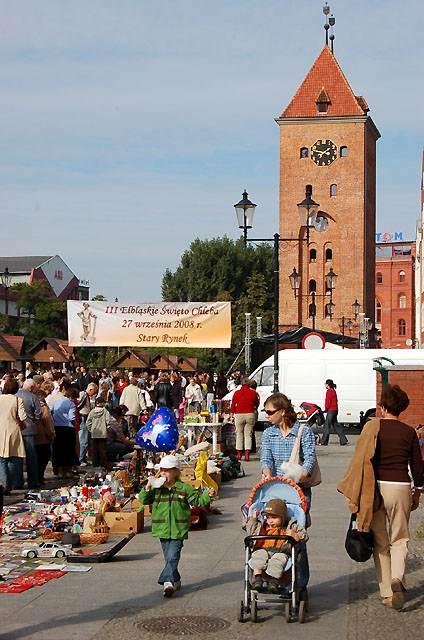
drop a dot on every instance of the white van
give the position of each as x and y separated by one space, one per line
303 374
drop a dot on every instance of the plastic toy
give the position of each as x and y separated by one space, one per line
46 550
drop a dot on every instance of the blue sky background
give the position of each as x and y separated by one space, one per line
130 127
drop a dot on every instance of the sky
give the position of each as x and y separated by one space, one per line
131 127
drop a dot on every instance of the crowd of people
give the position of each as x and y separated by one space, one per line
88 416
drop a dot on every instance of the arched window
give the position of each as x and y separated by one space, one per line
312 255
402 301
312 286
378 311
402 276
304 152
328 254
401 328
343 152
379 276
333 190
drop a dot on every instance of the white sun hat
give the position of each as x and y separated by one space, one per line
169 462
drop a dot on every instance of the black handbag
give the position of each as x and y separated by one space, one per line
358 544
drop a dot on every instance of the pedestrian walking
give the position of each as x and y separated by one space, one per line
277 445
332 410
132 398
86 403
63 411
194 396
244 406
45 436
164 392
171 515
377 485
98 422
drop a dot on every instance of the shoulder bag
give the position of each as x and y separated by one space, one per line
315 477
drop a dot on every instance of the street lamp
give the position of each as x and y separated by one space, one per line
329 309
6 280
330 280
245 210
356 307
295 278
307 210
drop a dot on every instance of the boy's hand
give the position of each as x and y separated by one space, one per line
212 493
255 514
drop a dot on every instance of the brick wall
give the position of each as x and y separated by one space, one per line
412 382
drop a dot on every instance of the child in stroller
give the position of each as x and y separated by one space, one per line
273 547
271 557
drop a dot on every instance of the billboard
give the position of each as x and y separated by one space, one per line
155 324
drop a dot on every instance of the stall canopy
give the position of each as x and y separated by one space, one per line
295 336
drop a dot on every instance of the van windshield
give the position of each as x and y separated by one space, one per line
264 377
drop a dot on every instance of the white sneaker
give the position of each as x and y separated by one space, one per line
177 585
82 464
168 590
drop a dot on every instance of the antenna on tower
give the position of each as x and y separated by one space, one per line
332 21
326 11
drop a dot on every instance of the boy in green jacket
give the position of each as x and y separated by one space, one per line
171 502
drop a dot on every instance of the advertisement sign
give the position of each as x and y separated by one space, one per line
388 236
156 324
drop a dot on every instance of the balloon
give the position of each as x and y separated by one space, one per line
160 433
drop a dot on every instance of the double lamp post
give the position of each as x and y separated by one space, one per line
309 218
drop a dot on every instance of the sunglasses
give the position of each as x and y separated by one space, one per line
271 413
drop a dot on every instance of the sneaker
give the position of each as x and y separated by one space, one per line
257 583
83 464
177 585
168 590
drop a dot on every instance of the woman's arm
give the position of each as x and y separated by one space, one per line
307 444
267 459
416 464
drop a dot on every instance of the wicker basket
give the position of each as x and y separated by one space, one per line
93 538
48 534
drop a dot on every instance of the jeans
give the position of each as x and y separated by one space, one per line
116 450
31 461
11 472
83 439
171 552
331 421
302 577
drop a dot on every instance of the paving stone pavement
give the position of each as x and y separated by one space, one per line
117 599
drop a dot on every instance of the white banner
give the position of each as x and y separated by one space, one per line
156 324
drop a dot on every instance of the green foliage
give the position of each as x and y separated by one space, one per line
99 298
41 314
224 269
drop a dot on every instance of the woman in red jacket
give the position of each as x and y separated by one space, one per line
332 409
243 408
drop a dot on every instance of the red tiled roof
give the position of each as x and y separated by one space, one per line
325 75
16 342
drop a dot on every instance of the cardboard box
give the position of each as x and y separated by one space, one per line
125 521
136 505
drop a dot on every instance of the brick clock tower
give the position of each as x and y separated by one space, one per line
328 141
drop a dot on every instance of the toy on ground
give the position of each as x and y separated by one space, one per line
46 550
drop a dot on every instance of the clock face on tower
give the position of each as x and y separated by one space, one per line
323 152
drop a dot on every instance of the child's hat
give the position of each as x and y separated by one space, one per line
276 507
169 462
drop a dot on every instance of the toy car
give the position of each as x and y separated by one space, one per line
46 550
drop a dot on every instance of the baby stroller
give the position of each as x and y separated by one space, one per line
294 600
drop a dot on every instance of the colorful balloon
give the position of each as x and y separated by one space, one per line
160 433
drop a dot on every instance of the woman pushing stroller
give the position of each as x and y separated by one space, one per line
278 442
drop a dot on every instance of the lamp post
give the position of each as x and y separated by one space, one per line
245 210
330 285
6 280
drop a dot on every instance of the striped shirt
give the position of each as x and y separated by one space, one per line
276 448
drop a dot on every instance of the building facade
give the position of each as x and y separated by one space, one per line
328 141
395 294
419 270
62 282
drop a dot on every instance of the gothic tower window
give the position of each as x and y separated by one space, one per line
343 152
328 254
312 286
401 327
333 190
379 276
312 255
402 301
304 152
402 276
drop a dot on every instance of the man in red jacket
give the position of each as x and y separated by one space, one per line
244 406
332 409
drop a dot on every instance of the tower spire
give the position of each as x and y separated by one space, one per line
329 24
326 11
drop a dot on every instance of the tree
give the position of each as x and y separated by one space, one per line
224 269
40 313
